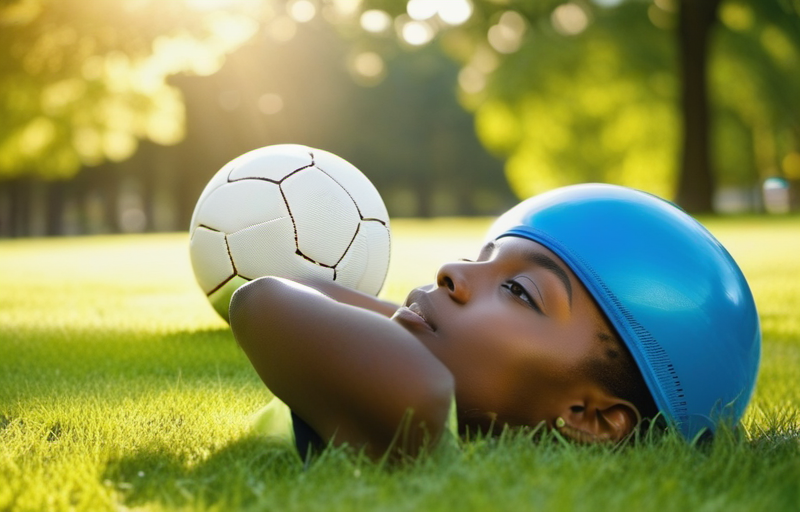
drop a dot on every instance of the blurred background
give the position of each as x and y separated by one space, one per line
115 113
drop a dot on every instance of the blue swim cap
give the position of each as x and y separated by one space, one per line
672 292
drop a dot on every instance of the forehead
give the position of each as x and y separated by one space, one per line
527 251
520 247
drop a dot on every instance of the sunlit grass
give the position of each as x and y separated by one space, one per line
120 388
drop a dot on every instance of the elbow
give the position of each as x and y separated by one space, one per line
429 416
247 309
437 407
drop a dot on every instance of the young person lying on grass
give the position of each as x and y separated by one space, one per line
590 310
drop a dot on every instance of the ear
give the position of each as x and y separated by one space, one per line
597 416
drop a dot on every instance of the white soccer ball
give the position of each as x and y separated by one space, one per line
288 211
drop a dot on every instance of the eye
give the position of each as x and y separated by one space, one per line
519 291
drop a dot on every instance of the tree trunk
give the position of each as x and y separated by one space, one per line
6 204
110 176
54 221
20 221
146 173
696 183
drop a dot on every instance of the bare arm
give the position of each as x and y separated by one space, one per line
346 295
350 373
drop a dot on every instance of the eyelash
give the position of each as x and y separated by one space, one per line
517 290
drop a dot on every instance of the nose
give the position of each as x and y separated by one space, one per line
453 277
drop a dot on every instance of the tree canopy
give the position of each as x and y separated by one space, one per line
563 91
82 82
590 91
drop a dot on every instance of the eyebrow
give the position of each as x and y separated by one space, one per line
548 263
544 261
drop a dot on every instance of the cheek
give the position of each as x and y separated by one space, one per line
489 351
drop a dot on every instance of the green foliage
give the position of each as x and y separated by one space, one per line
755 81
576 91
121 389
81 82
588 109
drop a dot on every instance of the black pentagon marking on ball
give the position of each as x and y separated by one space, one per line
233 264
209 228
277 182
230 255
297 241
370 219
333 267
226 281
294 225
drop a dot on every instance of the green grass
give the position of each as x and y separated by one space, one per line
121 390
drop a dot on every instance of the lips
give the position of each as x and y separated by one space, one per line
417 311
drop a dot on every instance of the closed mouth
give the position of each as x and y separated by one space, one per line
416 310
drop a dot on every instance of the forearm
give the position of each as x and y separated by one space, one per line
346 295
348 372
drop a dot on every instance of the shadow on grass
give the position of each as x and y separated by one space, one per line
232 477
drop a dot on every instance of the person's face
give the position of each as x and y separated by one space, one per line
514 328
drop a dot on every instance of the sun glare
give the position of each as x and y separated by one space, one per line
215 5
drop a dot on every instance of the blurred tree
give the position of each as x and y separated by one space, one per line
618 90
755 79
696 186
563 91
402 126
220 78
82 82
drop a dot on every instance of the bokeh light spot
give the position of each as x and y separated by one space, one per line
270 104
422 9
471 80
607 3
417 33
369 64
375 21
368 68
569 19
736 16
38 134
118 145
301 11
455 12
506 35
661 18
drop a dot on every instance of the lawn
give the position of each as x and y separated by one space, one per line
120 389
